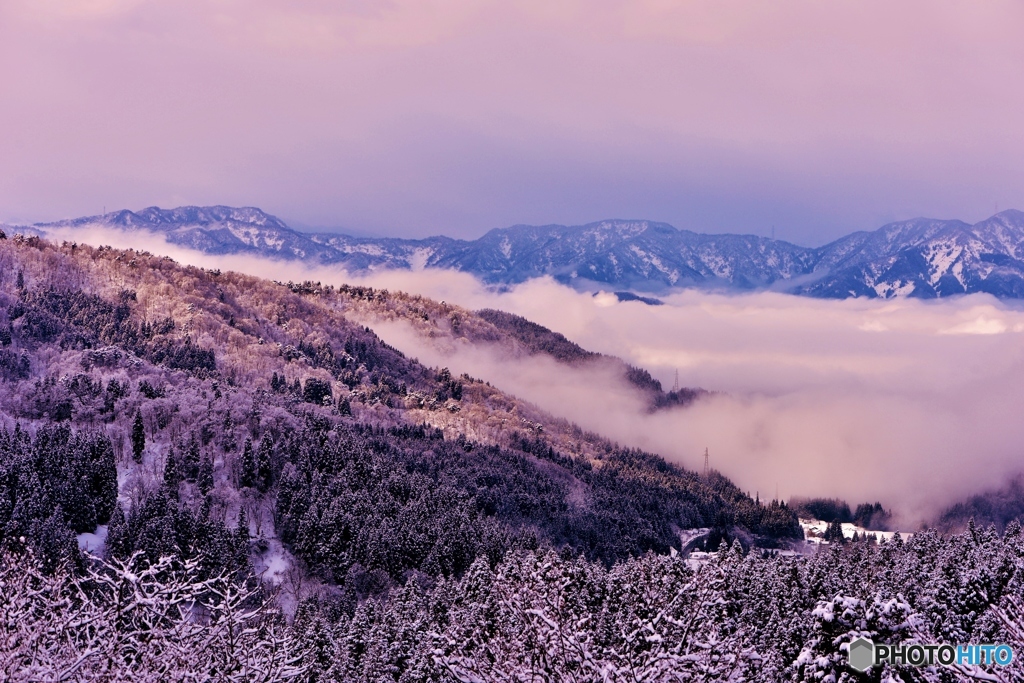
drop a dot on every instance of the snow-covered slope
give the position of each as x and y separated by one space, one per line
926 258
641 255
921 257
211 229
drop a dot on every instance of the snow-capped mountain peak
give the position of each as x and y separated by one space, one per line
922 257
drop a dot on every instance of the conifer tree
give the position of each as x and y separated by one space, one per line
191 460
834 532
228 434
248 476
138 437
242 532
264 463
204 480
118 543
52 541
172 474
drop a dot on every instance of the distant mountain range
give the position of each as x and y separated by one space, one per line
923 257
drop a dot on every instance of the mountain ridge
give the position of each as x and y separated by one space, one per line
219 396
920 257
251 452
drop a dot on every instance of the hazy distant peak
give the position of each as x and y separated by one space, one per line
207 215
155 218
920 257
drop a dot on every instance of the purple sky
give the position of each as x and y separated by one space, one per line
418 117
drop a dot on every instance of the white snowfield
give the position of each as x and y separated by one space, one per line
814 531
93 542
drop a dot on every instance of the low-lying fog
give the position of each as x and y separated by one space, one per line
912 403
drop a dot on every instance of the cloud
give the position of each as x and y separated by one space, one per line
918 410
913 403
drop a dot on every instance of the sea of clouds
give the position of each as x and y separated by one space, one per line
912 403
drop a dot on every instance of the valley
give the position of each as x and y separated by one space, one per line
233 431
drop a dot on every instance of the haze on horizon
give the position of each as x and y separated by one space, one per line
414 118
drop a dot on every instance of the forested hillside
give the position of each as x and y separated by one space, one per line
219 394
998 507
277 494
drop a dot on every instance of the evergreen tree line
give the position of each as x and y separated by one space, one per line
756 616
867 515
350 500
177 517
52 486
160 525
406 499
539 339
76 320
536 615
13 366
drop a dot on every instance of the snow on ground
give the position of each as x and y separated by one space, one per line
941 257
418 259
814 530
95 541
273 564
688 537
698 557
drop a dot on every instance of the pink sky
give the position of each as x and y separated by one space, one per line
418 117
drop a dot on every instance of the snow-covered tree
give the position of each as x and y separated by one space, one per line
126 621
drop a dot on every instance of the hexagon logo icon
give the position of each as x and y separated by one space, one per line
862 654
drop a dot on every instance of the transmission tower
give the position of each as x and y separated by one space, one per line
707 466
675 385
